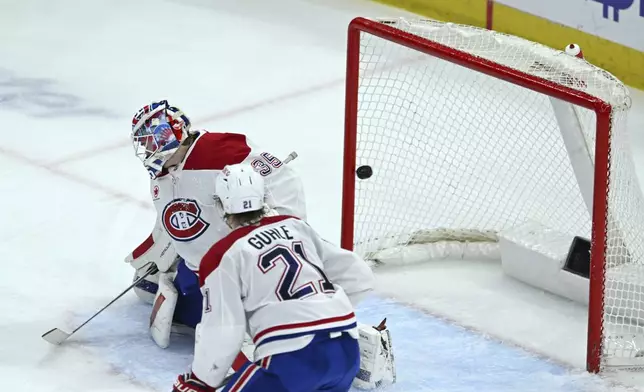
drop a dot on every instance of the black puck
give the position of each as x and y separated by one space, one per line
364 172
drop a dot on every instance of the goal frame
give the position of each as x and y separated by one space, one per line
603 112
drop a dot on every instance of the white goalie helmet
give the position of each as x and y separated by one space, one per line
240 189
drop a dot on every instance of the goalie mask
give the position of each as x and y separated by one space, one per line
157 132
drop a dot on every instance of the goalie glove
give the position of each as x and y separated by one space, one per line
188 382
377 365
157 248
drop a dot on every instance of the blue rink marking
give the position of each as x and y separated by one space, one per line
431 354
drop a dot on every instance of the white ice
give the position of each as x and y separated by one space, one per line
76 199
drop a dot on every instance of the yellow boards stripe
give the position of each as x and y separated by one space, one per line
470 12
625 63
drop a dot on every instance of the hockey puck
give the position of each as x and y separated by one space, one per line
364 172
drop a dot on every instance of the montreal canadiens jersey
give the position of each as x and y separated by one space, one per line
184 197
279 282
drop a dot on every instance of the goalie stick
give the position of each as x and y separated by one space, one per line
57 336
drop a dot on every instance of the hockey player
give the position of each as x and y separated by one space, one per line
294 293
184 165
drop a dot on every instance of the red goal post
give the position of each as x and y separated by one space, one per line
414 114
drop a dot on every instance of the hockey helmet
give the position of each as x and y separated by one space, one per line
240 189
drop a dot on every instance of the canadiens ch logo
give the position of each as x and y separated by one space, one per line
182 220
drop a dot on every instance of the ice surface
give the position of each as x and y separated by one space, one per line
76 199
431 354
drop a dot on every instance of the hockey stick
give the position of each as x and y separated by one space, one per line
58 336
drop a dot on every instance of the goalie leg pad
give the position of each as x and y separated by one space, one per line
377 365
163 311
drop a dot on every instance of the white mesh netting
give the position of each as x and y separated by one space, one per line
458 156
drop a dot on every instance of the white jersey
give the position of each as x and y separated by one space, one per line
279 282
188 217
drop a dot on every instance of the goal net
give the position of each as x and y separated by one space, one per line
469 133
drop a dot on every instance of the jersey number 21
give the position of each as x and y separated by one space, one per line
294 261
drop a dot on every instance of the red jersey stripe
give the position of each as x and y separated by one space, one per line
314 323
244 378
144 247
